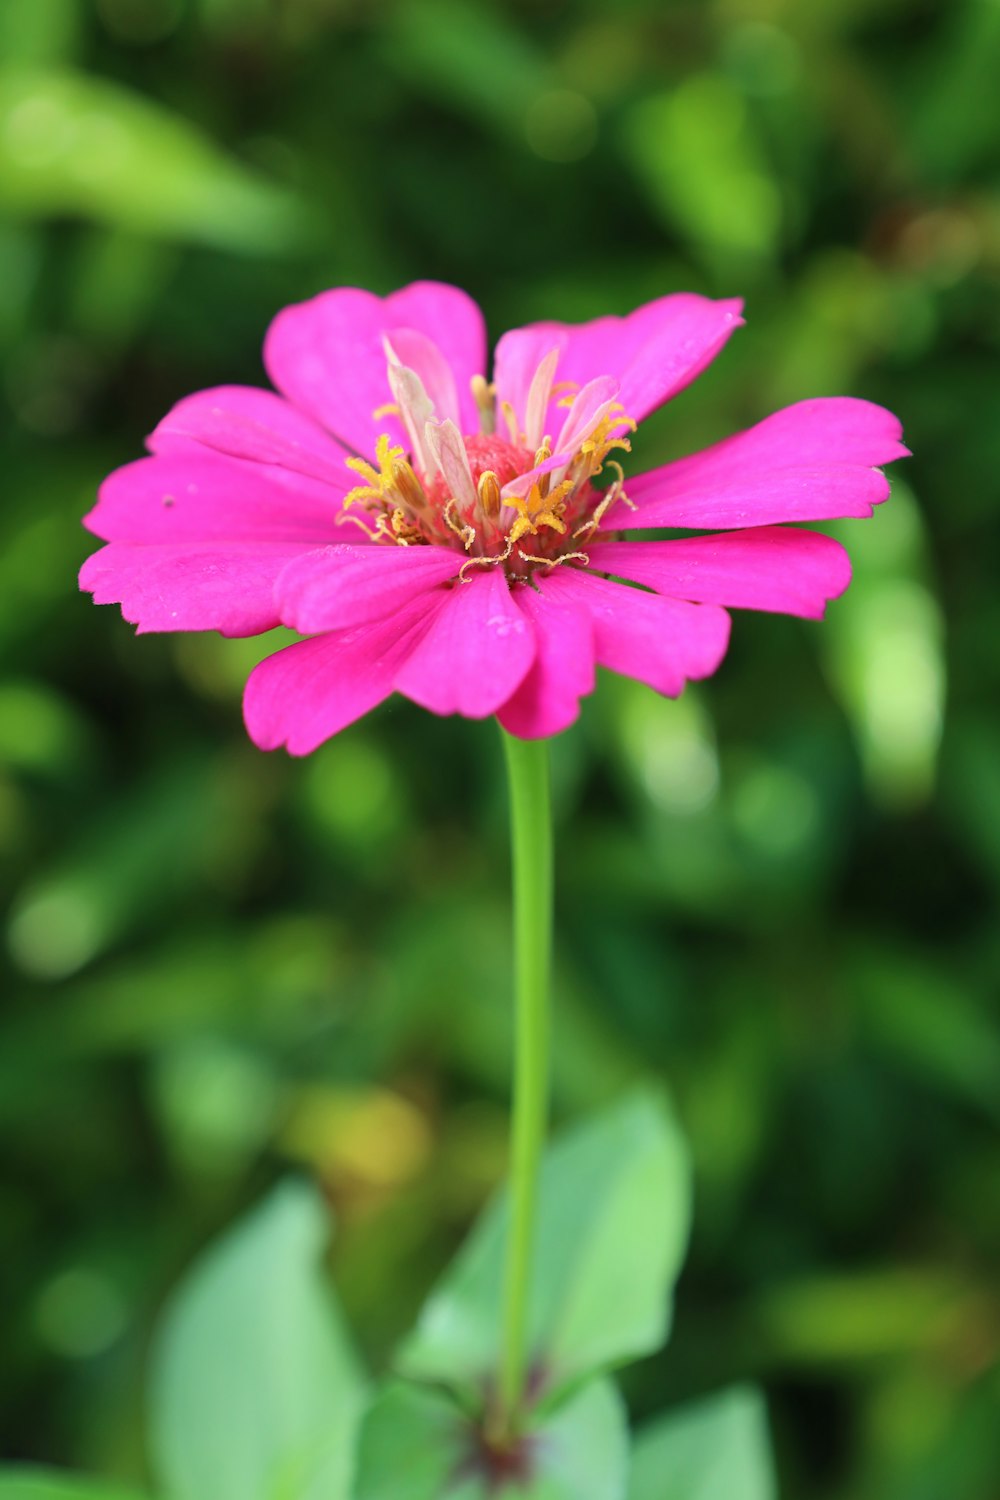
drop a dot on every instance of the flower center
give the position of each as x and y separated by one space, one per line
520 502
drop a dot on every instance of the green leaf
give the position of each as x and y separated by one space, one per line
51 1484
256 1395
614 1209
717 1449
71 144
417 1445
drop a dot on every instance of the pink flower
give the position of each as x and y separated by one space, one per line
443 538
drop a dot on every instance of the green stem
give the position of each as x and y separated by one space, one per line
531 840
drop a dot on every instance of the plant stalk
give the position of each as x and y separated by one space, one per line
531 844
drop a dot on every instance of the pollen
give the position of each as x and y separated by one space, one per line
503 501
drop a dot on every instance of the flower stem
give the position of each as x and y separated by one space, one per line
531 841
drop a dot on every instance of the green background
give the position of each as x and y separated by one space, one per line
778 895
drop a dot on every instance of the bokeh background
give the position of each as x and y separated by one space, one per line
778 896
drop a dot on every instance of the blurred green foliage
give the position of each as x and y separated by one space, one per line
779 895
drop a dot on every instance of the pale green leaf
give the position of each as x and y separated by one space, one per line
613 1222
26 1483
716 1449
256 1395
417 1445
72 144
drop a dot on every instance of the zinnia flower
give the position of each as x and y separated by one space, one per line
442 537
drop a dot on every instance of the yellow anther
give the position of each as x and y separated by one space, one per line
484 396
390 409
408 486
488 490
510 417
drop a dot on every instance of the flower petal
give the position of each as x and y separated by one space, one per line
589 406
422 355
476 653
188 497
662 641
227 586
767 567
327 356
548 700
306 693
336 588
449 456
810 462
252 424
653 353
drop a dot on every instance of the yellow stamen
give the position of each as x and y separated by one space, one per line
408 485
555 562
488 490
484 396
465 533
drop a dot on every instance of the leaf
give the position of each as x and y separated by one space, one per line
717 1449
695 151
71 144
612 1227
417 1445
52 1484
884 648
256 1395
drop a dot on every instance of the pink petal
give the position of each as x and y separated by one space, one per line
416 408
336 588
257 425
521 483
306 693
449 456
188 497
768 567
653 353
810 462
590 405
476 653
195 586
423 356
536 403
662 641
326 355
548 700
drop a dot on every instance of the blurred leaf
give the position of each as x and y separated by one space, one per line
883 643
44 31
924 1016
472 56
416 1445
256 1395
72 144
716 1449
696 151
40 730
52 1484
865 1315
612 1228
129 865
